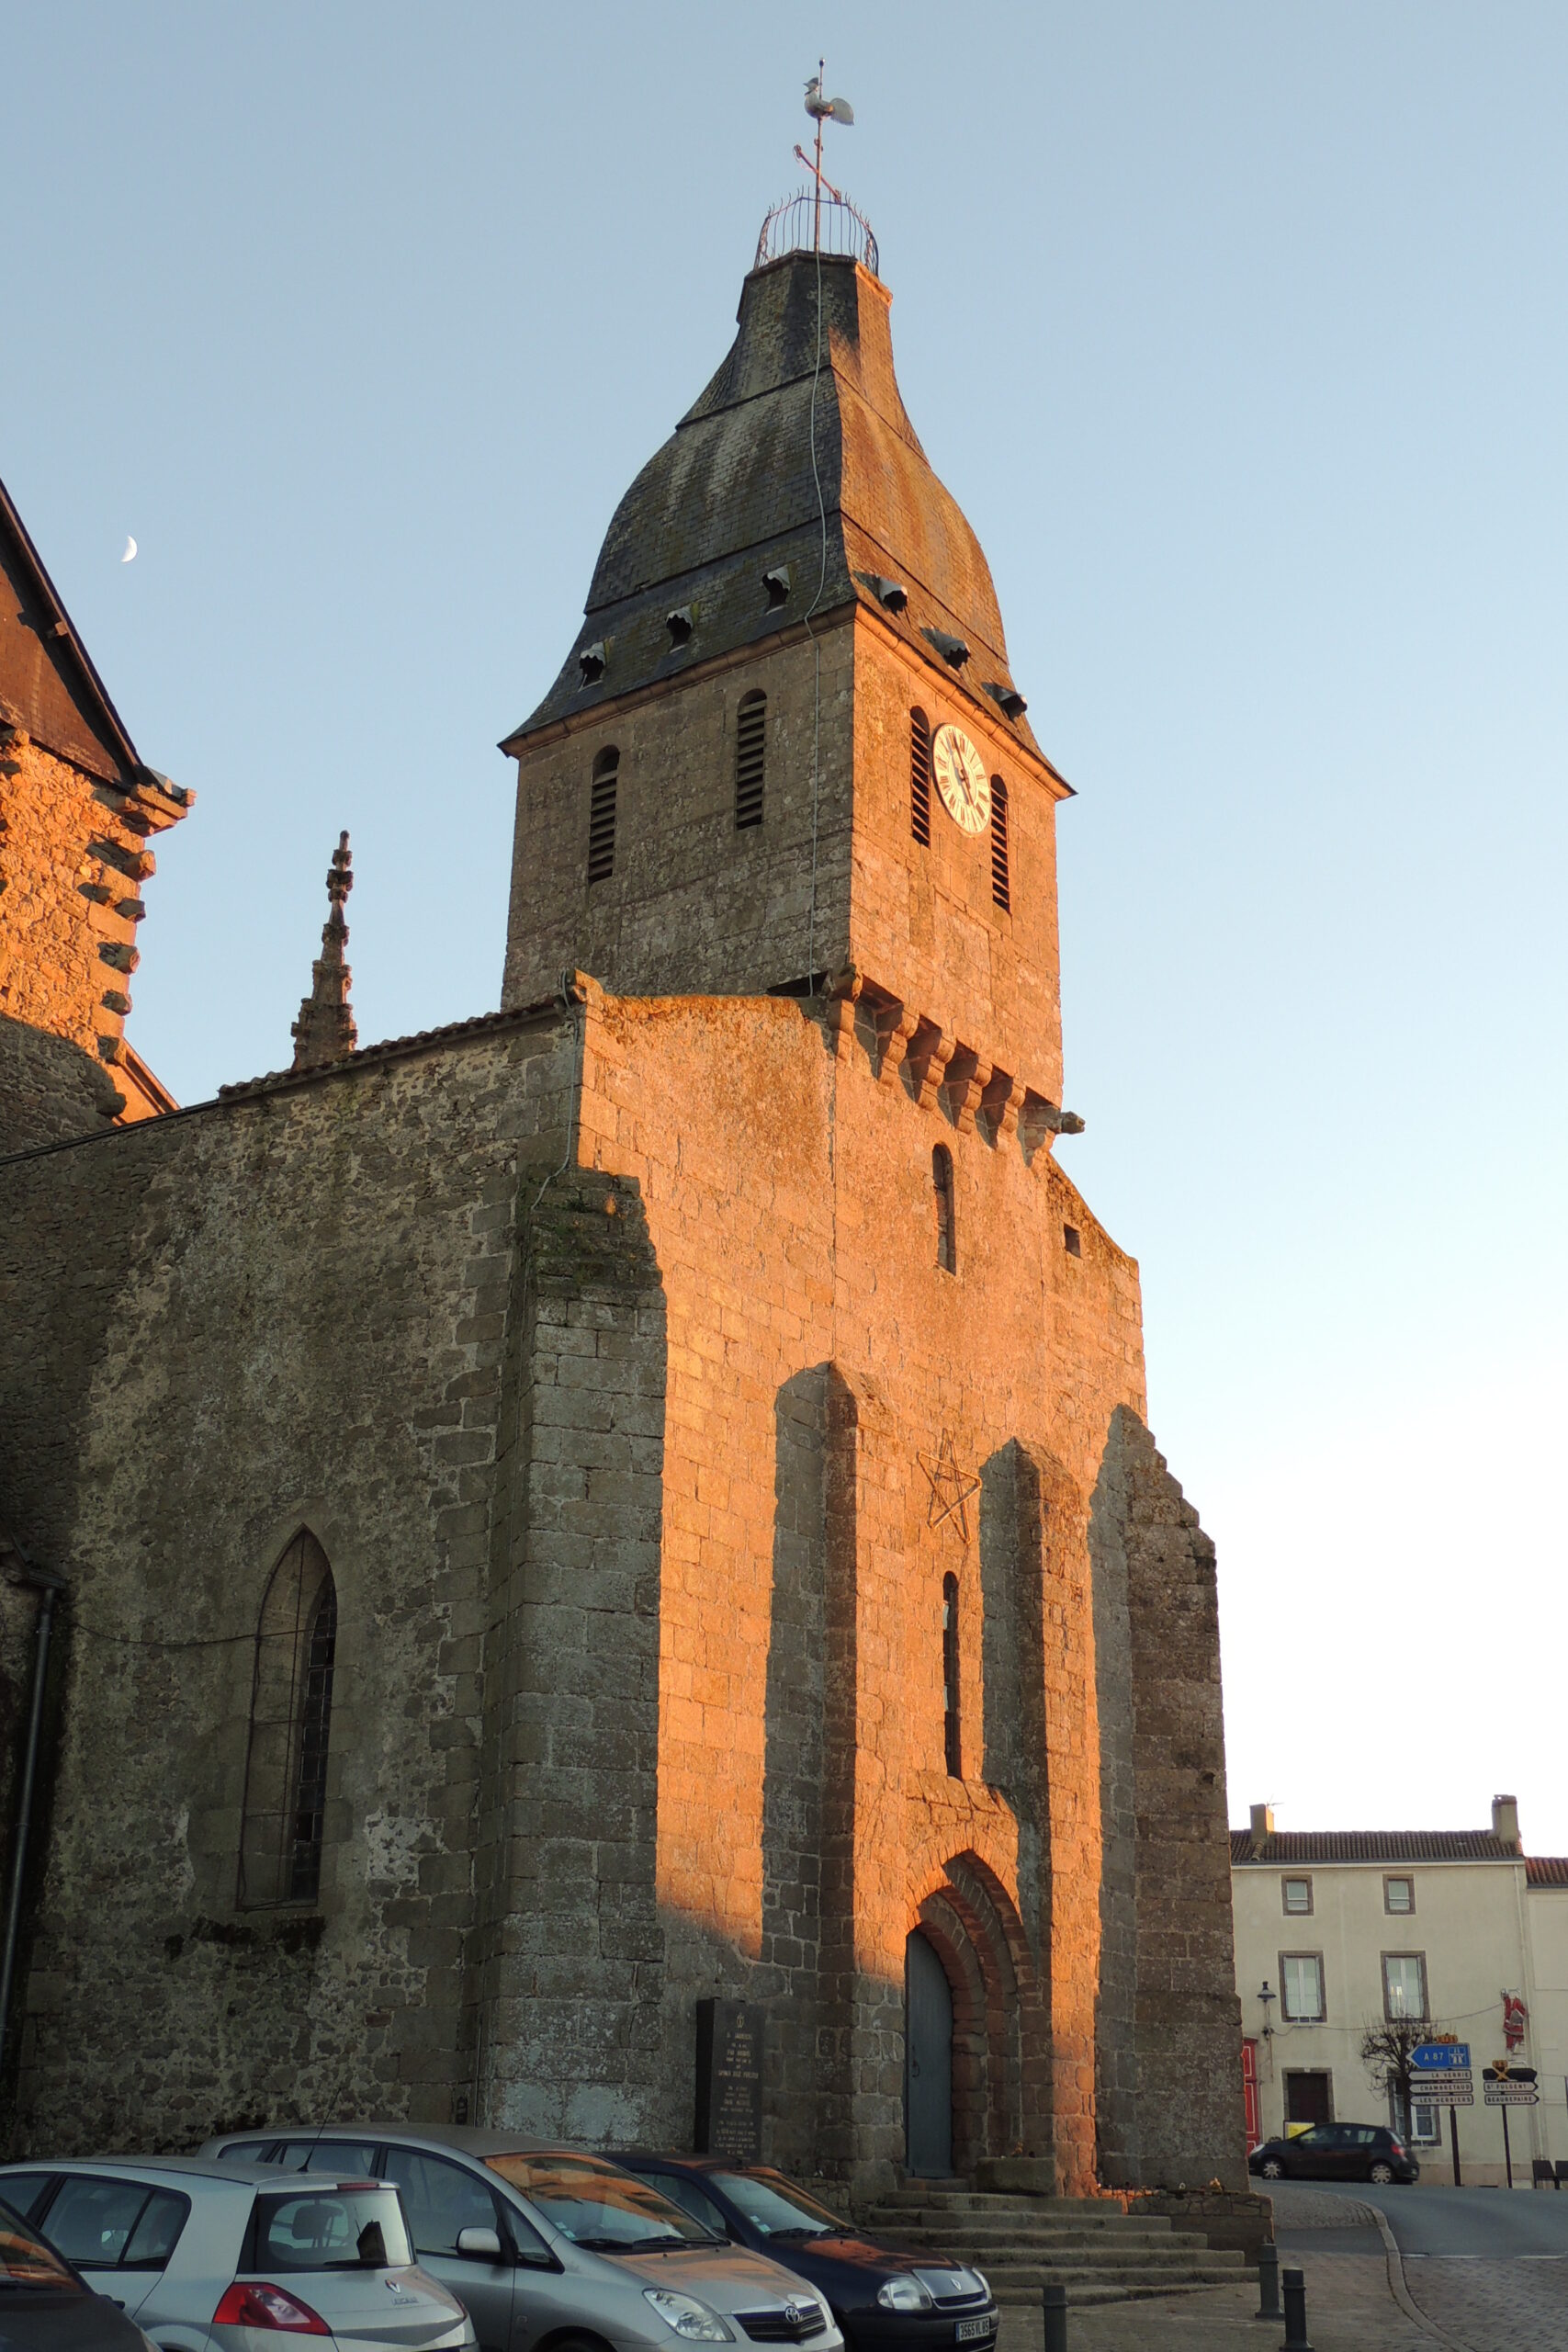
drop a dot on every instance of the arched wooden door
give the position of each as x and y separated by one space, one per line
928 2062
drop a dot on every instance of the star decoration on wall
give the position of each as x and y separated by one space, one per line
951 1485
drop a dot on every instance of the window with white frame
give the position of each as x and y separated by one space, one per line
1425 2123
1295 1895
1399 1895
1301 1987
1404 1985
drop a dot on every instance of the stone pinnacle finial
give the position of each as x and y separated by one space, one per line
325 1031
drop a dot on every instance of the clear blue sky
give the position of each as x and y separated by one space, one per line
1238 330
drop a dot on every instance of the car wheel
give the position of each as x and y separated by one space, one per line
1271 2168
1383 2174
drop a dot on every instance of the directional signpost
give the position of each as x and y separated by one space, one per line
1504 2085
1441 2076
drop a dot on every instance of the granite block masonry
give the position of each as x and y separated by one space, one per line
644 1498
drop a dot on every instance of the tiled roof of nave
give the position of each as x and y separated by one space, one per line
1299 1846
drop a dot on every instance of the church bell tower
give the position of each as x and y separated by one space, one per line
786 752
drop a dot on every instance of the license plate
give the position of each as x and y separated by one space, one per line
967 2330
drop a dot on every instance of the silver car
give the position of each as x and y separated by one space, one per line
543 2242
209 2257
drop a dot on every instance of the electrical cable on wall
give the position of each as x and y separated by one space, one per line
816 642
821 110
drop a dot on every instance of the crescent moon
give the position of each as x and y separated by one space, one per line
129 555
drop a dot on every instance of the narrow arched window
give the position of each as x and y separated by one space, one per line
946 1230
750 750
602 815
291 1704
951 1724
1001 890
921 778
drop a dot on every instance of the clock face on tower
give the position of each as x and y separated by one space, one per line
961 779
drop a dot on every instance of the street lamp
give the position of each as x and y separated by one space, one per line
1266 1995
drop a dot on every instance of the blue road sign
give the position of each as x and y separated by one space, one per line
1439 2057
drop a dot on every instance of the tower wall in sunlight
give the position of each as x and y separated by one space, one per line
78 811
645 1495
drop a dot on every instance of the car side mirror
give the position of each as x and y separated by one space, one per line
485 2243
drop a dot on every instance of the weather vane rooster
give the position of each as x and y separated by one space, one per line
822 111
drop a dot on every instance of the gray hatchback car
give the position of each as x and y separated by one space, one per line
555 2251
208 2257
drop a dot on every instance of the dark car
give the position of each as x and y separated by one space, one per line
884 2299
46 2307
1335 2151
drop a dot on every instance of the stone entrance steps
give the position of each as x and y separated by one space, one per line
1087 2244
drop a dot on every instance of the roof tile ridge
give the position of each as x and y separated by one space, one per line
387 1049
11 520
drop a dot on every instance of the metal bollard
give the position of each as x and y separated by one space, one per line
1269 2283
1295 2286
1054 2300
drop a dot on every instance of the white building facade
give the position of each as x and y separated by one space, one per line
1339 1930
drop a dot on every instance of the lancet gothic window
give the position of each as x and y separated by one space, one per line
952 1726
602 815
947 1224
291 1704
751 749
920 777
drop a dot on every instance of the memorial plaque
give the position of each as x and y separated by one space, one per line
730 2080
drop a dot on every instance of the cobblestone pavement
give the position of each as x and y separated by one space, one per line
1299 2206
1453 2304
1516 2306
1349 2309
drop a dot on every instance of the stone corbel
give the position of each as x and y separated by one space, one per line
1000 1102
966 1080
925 1063
894 1039
843 995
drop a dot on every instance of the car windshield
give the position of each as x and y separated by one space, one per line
776 2207
599 2207
26 2261
352 2228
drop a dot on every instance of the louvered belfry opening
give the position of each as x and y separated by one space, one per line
952 1725
602 815
920 777
946 1231
283 1825
751 758
1002 887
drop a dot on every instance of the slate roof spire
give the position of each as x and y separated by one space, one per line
797 464
325 1031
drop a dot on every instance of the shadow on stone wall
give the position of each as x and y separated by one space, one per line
50 1088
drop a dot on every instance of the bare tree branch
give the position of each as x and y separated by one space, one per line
1386 2047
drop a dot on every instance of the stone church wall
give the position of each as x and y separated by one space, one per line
1167 2023
74 859
277 1311
816 1351
925 924
605 1352
566 1967
693 904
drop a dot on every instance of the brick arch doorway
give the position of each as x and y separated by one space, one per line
928 2062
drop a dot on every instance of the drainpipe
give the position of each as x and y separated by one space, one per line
50 1586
